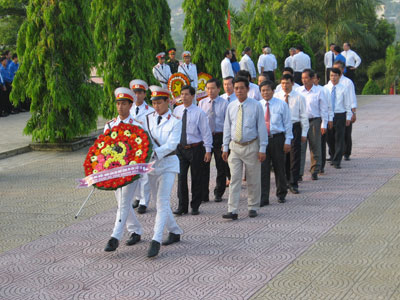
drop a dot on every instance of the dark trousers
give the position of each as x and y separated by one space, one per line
6 105
193 158
294 156
276 157
328 74
323 151
336 138
297 78
221 165
350 73
271 75
348 143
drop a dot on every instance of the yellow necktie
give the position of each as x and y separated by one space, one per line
239 123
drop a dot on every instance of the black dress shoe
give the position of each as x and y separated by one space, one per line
337 166
112 245
207 200
218 199
180 212
264 203
346 157
252 213
141 209
172 238
300 179
314 176
322 172
135 203
153 249
195 212
230 216
293 189
281 200
133 239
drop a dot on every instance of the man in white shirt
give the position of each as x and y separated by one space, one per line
301 61
226 66
247 64
287 70
267 63
352 61
228 88
317 110
162 71
289 59
339 116
254 91
189 69
329 59
279 129
299 118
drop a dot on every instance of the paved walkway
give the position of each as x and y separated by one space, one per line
338 239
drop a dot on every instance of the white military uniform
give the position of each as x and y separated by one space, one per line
167 134
125 213
190 71
162 73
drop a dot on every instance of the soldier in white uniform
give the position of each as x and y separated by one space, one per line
165 132
190 70
125 213
139 110
162 71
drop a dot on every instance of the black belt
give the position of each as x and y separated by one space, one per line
171 153
312 119
217 133
340 113
296 123
190 145
276 135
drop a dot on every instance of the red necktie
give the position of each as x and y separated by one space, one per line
267 119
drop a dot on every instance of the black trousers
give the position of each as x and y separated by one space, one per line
328 74
293 158
276 157
221 165
193 158
323 151
336 138
271 75
350 73
348 143
297 78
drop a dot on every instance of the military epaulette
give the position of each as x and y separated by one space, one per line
137 121
113 120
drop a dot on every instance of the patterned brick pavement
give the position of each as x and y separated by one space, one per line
327 242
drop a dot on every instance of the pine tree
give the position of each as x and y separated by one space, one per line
126 49
164 21
56 56
206 33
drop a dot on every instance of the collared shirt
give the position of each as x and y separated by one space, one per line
5 74
226 68
254 91
197 128
267 61
162 73
220 106
316 104
342 103
190 71
301 61
12 69
115 122
297 106
229 98
289 62
348 83
279 87
329 59
253 123
144 109
247 64
280 120
352 58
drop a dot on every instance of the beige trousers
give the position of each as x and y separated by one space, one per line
244 156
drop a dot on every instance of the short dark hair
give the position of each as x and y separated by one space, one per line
2 58
241 79
317 75
6 52
348 44
264 74
228 77
332 44
191 89
287 77
216 80
227 52
244 73
337 49
288 69
269 83
336 71
14 56
247 49
299 47
339 62
310 72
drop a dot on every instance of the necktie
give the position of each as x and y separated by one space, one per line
159 120
333 58
229 99
183 134
137 110
287 98
239 123
333 98
211 116
267 119
188 67
162 67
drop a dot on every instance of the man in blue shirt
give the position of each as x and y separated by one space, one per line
13 66
6 88
339 57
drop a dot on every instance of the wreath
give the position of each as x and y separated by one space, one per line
123 145
202 79
175 84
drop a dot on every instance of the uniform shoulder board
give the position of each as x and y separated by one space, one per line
113 120
137 121
147 107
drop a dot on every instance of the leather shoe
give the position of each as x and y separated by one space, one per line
135 203
322 172
172 238
300 179
218 199
153 249
264 203
281 200
293 189
180 212
133 239
314 176
141 209
207 200
230 216
112 245
195 212
252 213
337 166
346 157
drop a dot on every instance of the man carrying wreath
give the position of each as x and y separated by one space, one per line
125 214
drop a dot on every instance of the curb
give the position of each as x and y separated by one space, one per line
15 151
